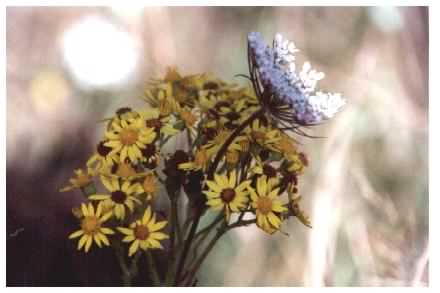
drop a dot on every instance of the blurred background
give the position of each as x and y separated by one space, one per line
366 189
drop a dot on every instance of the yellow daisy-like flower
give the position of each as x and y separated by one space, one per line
103 158
81 180
188 116
122 195
285 145
224 193
123 171
128 137
265 201
200 162
91 228
150 186
265 136
161 124
213 146
296 162
144 233
298 212
232 157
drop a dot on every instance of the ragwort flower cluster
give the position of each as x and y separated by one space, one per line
237 163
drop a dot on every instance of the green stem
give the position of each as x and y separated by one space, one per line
152 269
126 275
186 247
203 234
210 226
220 232
172 253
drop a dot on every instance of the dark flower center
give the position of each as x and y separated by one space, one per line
102 149
269 171
303 159
149 151
210 86
233 116
221 104
154 123
122 111
228 195
119 196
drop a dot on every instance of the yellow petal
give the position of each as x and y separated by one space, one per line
133 247
97 240
159 236
98 210
154 243
232 179
147 216
128 238
125 231
115 183
107 230
213 186
88 243
211 194
82 241
99 196
106 217
156 226
76 234
124 154
106 183
274 193
274 220
214 202
103 238
84 210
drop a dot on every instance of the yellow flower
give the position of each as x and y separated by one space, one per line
103 158
161 124
125 170
81 180
150 186
213 146
128 137
224 193
298 212
144 233
265 136
122 195
200 162
189 117
232 157
265 201
285 145
91 228
296 162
